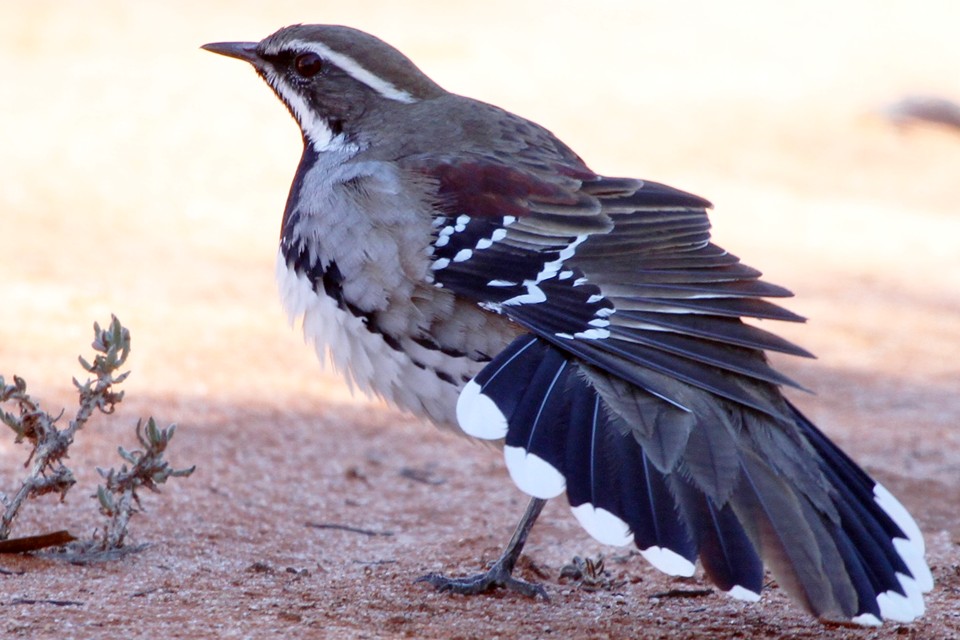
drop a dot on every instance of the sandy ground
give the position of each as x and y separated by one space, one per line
143 177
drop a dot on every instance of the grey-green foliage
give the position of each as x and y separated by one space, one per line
49 444
118 497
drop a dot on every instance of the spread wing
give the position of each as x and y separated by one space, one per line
619 272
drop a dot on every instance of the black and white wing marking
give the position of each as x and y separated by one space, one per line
618 272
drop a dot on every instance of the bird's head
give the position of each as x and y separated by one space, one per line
332 78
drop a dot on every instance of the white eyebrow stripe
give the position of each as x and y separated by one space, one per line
357 72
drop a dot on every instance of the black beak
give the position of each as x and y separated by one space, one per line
246 51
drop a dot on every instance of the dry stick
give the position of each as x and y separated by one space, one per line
421 475
56 603
346 527
682 593
35 543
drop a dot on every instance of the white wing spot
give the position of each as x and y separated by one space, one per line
592 334
534 295
496 236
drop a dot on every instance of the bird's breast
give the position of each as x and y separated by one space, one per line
415 353
354 266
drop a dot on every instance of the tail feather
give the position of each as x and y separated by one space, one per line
728 556
887 539
873 497
621 480
734 487
534 444
792 540
869 569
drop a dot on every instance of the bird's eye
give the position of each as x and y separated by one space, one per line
308 64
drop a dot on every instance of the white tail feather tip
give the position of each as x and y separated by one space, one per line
894 606
867 620
742 593
478 415
914 560
603 525
899 514
532 474
914 595
669 562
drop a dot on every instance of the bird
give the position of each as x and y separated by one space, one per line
464 264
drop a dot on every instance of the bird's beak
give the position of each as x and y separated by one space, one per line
240 50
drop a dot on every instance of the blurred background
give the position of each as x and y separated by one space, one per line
144 177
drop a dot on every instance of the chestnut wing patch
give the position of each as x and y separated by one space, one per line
501 230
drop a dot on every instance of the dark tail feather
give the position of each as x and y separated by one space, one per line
613 487
837 541
792 540
888 544
726 553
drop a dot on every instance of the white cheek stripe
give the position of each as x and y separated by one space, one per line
315 129
357 72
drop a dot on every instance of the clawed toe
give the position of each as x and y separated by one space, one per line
483 582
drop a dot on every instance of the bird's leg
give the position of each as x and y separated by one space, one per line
499 575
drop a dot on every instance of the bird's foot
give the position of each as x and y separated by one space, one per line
496 576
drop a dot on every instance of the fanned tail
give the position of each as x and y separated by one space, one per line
701 479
